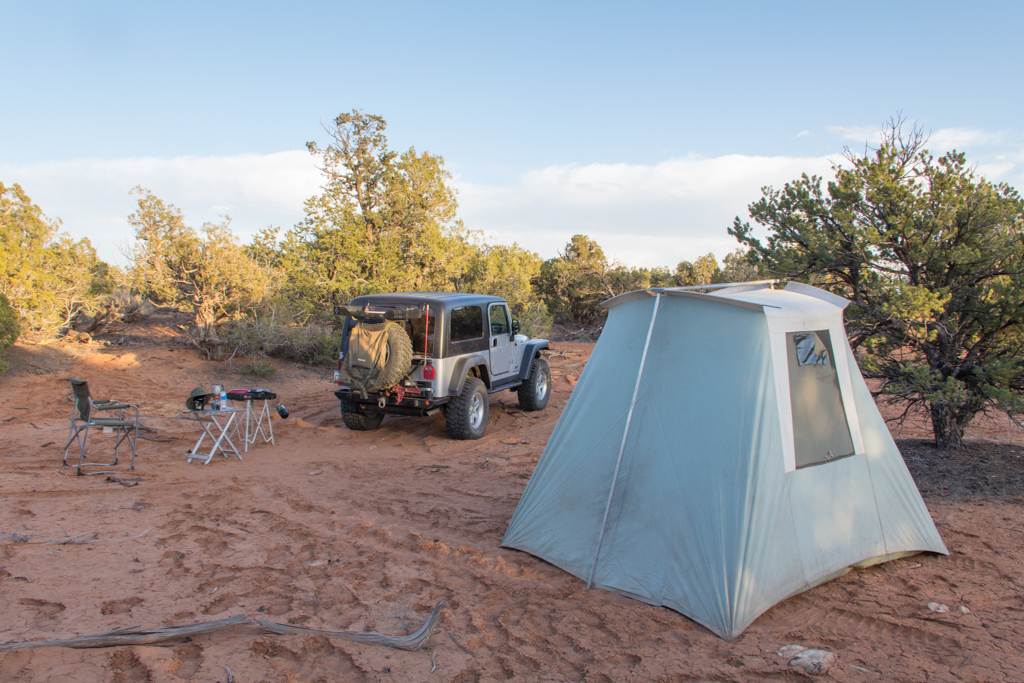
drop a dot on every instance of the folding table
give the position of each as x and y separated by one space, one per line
255 422
215 424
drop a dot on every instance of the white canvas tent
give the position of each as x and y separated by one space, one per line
719 453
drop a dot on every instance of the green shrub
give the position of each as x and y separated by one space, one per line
10 328
309 344
535 320
258 369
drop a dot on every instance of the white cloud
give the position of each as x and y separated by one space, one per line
641 215
947 139
92 197
802 134
870 134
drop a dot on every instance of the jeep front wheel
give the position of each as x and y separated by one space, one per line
534 392
466 414
360 422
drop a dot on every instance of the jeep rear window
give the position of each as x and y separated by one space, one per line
467 322
419 344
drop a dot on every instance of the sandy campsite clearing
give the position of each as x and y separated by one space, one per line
339 530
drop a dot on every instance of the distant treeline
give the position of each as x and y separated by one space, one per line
929 255
384 222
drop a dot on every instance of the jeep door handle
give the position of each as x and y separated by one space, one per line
494 342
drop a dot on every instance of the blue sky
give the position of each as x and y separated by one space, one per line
646 125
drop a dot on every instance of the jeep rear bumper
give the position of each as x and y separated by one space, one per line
389 404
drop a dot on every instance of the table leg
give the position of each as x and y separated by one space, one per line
195 449
248 419
270 421
224 436
258 429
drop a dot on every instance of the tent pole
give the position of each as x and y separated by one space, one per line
625 435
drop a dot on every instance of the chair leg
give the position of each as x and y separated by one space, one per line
72 434
81 457
81 435
132 437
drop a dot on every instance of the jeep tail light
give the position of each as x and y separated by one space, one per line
428 372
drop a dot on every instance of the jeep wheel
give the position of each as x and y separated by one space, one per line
466 414
360 422
534 392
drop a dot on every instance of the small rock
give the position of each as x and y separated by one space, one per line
963 610
938 607
790 651
813 661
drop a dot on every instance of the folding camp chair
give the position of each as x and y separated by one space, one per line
83 417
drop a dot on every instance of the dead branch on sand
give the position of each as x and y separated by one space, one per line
159 438
513 411
77 538
124 637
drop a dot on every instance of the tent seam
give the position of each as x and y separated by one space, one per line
625 436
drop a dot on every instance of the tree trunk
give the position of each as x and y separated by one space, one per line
948 429
206 331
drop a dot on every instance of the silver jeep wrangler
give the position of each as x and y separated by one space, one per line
445 352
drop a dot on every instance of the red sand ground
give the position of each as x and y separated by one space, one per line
340 530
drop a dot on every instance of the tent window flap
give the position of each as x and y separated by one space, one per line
821 432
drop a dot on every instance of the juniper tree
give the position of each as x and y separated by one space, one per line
932 258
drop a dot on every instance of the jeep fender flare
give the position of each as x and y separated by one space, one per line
461 371
531 352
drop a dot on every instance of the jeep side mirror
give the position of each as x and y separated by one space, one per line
515 327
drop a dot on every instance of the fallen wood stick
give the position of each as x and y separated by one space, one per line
513 411
410 642
124 637
128 482
159 438
458 644
433 468
67 540
78 539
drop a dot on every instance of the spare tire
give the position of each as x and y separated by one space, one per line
398 360
396 363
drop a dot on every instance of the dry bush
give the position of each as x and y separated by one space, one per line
120 307
309 344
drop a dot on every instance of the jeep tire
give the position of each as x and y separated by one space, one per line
398 361
466 414
360 422
534 392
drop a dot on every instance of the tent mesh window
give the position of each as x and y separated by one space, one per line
821 432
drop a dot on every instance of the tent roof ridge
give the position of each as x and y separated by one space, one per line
731 293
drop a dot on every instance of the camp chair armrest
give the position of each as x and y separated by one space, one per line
96 403
115 406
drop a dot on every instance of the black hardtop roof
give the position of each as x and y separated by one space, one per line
446 300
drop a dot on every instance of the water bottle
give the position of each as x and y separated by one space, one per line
223 400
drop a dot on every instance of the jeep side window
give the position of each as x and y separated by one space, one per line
418 342
499 320
467 323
